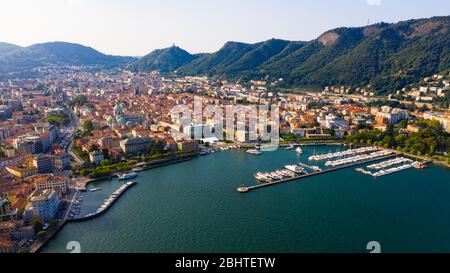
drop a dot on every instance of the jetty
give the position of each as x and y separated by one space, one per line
106 205
245 189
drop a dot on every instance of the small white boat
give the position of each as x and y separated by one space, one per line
290 147
299 150
254 152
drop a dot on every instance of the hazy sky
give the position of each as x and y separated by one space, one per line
135 27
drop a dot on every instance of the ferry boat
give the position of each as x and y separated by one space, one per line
254 152
299 150
127 176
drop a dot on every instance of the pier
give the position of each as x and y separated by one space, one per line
250 188
103 210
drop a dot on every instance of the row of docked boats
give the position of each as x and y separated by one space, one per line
314 168
110 200
392 170
76 207
350 152
275 176
386 167
291 171
218 149
389 163
358 158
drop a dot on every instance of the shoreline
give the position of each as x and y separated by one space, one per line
98 214
188 158
66 221
163 163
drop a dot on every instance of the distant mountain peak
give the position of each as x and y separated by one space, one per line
7 48
15 59
165 60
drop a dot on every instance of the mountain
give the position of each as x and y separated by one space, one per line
6 48
22 59
235 58
164 60
384 56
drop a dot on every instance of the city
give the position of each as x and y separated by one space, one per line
85 126
94 146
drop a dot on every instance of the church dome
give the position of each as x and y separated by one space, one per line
118 109
122 119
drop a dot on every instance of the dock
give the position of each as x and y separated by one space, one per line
250 188
101 211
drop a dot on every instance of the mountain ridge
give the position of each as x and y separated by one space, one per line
16 59
385 56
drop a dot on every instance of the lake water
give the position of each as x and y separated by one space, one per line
194 207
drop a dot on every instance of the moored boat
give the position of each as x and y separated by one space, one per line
127 176
254 152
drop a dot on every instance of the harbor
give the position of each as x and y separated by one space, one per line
105 206
156 209
392 166
276 177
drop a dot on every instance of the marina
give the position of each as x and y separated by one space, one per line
304 212
106 204
358 158
389 163
383 169
342 154
274 178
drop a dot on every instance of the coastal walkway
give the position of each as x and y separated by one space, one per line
250 188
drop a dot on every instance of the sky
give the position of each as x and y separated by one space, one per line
136 27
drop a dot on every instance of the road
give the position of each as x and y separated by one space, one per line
68 141
39 243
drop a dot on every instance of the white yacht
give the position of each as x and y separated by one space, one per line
295 168
299 150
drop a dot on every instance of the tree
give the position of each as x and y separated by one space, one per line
79 100
37 225
59 119
105 162
42 234
88 126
